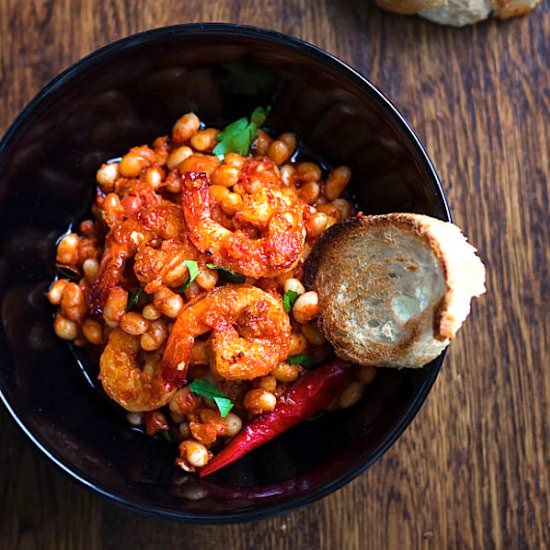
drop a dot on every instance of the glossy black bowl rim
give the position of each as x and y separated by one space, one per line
276 38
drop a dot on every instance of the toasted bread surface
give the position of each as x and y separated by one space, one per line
393 289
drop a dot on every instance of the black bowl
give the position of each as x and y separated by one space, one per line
126 94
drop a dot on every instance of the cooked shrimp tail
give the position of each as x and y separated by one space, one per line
177 355
110 271
206 234
132 387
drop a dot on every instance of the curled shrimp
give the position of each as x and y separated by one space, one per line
162 219
164 266
250 334
132 387
276 251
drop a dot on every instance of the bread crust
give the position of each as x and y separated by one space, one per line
409 7
426 334
504 9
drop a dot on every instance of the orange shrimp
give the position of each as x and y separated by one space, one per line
278 249
259 174
132 387
157 267
163 219
260 207
250 334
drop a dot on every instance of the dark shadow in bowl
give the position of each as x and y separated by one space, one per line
127 94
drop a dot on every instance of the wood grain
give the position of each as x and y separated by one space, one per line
472 470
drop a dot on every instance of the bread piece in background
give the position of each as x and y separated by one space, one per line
393 289
505 9
459 12
409 7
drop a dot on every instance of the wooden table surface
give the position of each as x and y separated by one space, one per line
472 471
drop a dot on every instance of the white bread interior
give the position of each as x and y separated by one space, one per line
459 12
393 289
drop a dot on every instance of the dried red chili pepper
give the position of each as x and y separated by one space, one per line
310 395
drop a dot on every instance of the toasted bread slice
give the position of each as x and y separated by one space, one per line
393 289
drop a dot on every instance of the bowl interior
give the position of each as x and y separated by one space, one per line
126 95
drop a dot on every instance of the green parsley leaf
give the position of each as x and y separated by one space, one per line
233 138
304 360
201 386
165 434
239 135
228 275
224 405
259 115
233 131
237 126
193 268
288 301
134 298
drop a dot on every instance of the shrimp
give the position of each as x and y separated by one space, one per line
162 219
250 334
277 251
124 236
260 207
165 220
259 174
123 379
164 266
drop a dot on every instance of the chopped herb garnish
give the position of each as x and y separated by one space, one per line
238 136
165 434
235 138
101 215
134 298
224 405
201 386
193 268
227 274
304 360
288 301
258 116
